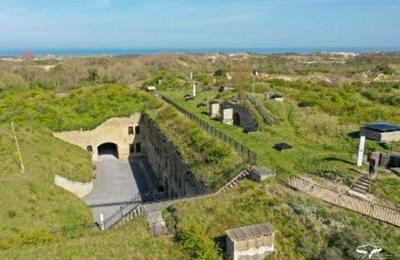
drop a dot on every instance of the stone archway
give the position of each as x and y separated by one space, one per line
108 148
236 119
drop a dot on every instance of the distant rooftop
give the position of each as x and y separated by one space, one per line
383 127
251 232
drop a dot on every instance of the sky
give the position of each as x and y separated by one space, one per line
199 24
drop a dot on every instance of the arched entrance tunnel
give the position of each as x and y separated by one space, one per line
108 149
236 119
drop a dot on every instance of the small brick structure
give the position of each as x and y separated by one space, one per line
250 242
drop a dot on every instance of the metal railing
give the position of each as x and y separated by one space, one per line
120 214
249 156
70 231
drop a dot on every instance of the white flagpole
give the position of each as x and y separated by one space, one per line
19 151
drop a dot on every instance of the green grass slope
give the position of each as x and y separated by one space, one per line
30 204
324 144
307 228
211 160
84 108
131 241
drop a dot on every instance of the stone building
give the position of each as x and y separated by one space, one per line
227 114
119 136
233 113
214 109
382 132
139 136
251 243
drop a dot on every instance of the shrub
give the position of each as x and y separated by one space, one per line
196 242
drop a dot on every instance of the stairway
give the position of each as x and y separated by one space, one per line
362 185
235 181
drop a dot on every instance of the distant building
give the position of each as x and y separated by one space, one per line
382 132
233 113
223 89
274 96
151 88
214 109
251 242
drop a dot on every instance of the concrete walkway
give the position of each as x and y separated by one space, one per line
117 183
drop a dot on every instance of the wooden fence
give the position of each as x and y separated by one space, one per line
374 210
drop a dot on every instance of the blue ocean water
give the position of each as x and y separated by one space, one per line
8 52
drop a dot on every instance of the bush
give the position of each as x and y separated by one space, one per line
196 242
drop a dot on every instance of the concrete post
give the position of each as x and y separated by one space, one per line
194 89
102 227
361 151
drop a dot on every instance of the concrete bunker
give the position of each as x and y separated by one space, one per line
233 113
138 140
236 119
108 149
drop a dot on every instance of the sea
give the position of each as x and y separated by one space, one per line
12 52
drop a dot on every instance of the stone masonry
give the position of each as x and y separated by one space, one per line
124 132
173 175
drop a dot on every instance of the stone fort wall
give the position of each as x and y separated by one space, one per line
113 130
173 175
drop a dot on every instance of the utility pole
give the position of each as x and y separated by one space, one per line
19 151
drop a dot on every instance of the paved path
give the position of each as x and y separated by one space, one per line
117 182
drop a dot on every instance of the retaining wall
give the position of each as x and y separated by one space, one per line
172 173
78 188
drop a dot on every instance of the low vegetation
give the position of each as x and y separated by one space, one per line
327 98
209 159
307 228
325 142
80 109
129 241
30 204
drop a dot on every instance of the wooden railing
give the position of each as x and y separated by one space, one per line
374 210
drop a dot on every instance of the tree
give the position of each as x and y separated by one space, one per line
93 75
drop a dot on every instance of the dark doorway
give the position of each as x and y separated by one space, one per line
108 148
236 119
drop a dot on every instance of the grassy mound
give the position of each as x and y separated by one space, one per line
131 241
209 159
30 204
324 144
307 228
84 108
